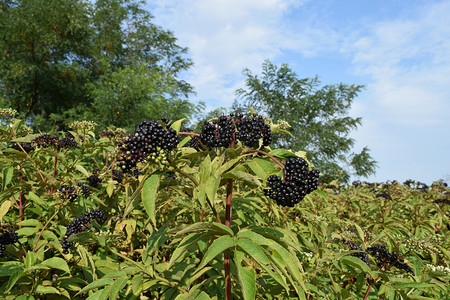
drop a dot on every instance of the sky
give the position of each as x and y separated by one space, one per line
399 50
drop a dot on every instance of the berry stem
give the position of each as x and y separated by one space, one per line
367 292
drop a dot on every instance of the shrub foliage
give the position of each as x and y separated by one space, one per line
164 216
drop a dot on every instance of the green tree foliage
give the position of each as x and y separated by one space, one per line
319 118
103 60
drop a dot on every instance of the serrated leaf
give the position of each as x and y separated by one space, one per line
96 284
30 223
184 245
82 170
116 287
14 278
149 195
247 280
218 246
358 263
4 208
7 176
56 263
9 267
251 180
261 167
35 198
253 250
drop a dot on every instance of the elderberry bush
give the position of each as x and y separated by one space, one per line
150 137
7 238
384 257
81 224
45 141
297 183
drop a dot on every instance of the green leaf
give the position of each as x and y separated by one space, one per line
42 289
177 125
356 262
415 285
247 280
56 263
14 278
96 284
282 153
82 170
9 267
30 223
116 287
251 180
4 209
253 250
26 139
211 187
35 198
185 244
214 227
261 167
7 176
149 195
218 246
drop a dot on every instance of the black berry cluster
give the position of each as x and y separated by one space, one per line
45 141
384 257
251 129
79 225
361 255
67 143
384 195
94 181
297 183
7 238
195 141
150 137
218 133
248 130
25 146
117 175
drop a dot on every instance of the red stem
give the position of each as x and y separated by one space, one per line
367 292
228 211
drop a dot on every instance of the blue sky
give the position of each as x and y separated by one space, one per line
400 50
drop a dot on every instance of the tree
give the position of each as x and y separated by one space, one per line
319 118
62 59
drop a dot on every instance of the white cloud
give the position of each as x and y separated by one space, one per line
409 62
226 36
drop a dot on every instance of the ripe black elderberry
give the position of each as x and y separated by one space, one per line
25 146
68 191
117 175
94 180
218 133
384 257
361 255
150 137
7 238
251 129
45 140
79 225
298 182
67 143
